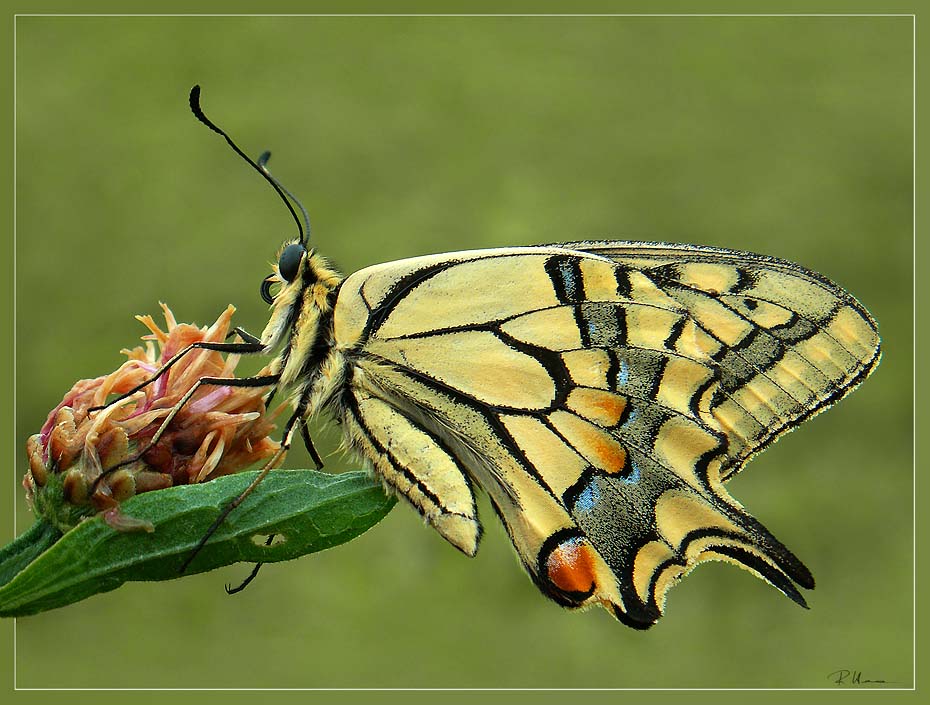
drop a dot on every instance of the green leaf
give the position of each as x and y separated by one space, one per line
308 511
25 548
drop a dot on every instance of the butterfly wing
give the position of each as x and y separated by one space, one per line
599 393
790 343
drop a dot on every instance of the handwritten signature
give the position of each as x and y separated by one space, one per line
851 676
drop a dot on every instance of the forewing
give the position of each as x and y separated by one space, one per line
784 342
599 393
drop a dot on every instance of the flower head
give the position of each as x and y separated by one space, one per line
220 430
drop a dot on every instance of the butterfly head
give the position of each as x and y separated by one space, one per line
298 290
287 274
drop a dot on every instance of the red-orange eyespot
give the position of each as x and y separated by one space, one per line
570 566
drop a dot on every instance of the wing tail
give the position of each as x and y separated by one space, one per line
666 529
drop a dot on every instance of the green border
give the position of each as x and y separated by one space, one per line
402 7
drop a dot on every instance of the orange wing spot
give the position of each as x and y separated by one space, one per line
603 408
606 453
597 446
571 566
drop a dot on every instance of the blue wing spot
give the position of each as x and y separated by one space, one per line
569 280
588 498
623 375
633 477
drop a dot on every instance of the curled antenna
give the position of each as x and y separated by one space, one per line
262 164
199 114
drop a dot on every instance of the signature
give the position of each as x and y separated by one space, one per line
851 676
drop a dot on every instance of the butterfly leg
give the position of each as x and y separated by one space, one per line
305 434
251 576
260 381
244 334
251 346
308 443
289 429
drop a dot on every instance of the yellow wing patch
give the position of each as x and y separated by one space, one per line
441 302
505 377
600 448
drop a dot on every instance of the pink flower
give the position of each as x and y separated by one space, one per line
220 430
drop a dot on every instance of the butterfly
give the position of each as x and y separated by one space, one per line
599 393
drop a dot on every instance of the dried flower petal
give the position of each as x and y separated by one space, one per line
220 430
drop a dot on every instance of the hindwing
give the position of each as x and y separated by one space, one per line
599 393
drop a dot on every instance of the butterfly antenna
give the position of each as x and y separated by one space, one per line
199 114
262 164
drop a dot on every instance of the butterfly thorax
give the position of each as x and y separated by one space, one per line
301 323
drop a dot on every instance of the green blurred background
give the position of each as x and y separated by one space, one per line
407 136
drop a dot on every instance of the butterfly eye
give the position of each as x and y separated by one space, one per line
290 261
267 296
